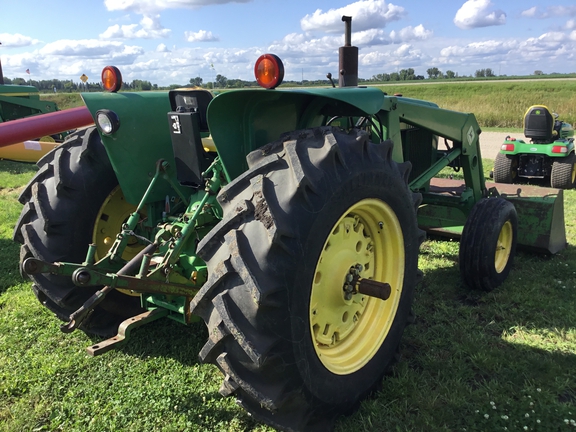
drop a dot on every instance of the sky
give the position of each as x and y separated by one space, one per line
171 41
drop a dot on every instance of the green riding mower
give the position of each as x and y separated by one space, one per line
289 221
548 155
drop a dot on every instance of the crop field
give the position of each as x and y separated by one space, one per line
500 104
471 361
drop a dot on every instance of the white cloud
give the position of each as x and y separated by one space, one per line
390 61
162 48
550 12
529 13
92 49
150 28
411 33
366 14
201 36
478 13
479 49
16 40
148 6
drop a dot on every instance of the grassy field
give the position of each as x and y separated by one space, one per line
472 361
499 104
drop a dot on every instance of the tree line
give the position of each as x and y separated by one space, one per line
222 82
433 73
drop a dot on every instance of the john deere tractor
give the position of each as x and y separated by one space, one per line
285 219
548 155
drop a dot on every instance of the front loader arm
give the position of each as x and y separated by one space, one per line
460 128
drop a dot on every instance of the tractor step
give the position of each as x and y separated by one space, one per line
124 331
540 212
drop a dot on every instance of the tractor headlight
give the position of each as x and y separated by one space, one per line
107 121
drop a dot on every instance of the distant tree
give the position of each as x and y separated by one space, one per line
141 85
450 74
538 72
7 80
221 80
406 74
480 73
19 81
394 76
490 72
196 81
434 72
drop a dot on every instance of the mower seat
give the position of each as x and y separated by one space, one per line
539 124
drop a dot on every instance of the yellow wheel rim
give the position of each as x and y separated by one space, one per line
573 173
113 213
348 333
503 247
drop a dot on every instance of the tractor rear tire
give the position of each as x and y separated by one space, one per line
563 175
488 244
295 350
61 205
505 168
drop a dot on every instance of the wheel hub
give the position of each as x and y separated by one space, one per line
348 328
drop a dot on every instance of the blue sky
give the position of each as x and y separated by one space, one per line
171 41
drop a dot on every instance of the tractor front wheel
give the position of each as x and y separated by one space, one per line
316 209
563 174
488 244
71 202
505 168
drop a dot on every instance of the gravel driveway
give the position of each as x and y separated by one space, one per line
490 142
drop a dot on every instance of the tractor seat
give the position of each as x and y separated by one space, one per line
539 124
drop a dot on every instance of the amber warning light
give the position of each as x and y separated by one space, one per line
269 71
111 79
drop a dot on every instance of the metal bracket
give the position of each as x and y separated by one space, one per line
124 331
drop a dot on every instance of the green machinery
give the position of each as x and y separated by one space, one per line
18 102
22 101
549 154
289 221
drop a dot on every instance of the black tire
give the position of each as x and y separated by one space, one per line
61 204
505 168
266 268
488 244
563 175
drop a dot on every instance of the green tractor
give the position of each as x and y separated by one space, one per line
289 221
548 155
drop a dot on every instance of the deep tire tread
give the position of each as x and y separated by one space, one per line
561 175
243 305
56 224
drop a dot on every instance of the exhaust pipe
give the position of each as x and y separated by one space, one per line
348 58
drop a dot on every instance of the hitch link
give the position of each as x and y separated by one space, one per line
76 318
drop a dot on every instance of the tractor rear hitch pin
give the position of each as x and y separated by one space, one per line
357 285
76 318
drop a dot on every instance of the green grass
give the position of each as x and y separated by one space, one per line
500 104
472 361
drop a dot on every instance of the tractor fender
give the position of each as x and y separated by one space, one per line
244 120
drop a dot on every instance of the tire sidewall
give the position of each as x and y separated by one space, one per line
324 384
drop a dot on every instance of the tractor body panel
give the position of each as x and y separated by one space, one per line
142 139
244 120
556 149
